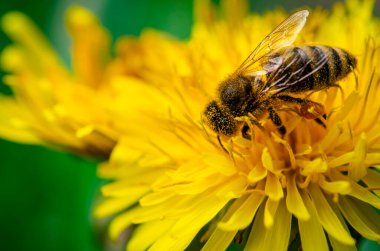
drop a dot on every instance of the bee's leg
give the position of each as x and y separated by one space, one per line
320 121
244 132
356 78
221 144
341 89
277 121
290 99
249 121
308 109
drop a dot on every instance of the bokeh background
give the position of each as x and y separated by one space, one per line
46 195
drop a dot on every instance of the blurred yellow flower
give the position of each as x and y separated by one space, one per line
172 179
52 105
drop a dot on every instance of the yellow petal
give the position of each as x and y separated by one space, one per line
124 188
266 159
146 234
358 191
317 165
341 187
364 194
361 216
348 105
203 11
374 135
274 238
311 231
270 211
90 45
273 187
233 187
244 215
372 180
203 168
200 185
294 201
22 30
219 238
193 187
199 216
328 218
114 205
287 147
121 222
168 242
186 227
257 173
156 198
172 207
331 137
13 59
372 159
341 160
336 244
220 164
357 169
303 149
235 10
12 124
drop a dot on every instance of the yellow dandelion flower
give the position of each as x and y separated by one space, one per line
173 180
52 104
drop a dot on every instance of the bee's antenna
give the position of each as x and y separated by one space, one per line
220 143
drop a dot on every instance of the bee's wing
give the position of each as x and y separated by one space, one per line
283 35
296 69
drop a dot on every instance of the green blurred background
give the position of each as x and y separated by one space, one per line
46 195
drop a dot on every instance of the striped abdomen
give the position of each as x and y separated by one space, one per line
308 68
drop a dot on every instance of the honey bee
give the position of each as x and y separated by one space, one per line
272 76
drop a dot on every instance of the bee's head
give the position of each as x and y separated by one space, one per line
233 92
219 120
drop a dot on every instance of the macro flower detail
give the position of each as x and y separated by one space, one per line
323 176
174 182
